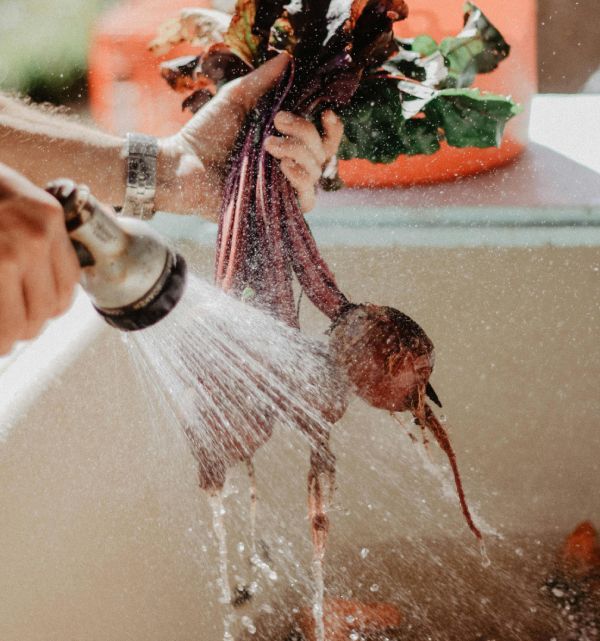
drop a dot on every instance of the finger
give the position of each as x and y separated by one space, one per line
294 150
39 290
303 131
66 273
333 130
62 264
307 200
251 87
301 182
13 319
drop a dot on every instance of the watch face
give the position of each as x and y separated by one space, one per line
142 152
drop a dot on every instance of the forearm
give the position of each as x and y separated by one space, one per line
44 146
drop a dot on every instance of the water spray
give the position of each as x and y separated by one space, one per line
132 277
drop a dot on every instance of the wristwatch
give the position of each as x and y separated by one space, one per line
141 152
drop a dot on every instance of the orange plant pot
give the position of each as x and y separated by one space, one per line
516 76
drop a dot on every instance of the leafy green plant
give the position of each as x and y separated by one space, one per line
421 96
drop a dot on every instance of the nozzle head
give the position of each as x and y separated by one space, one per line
156 304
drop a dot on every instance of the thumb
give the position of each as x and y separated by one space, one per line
257 83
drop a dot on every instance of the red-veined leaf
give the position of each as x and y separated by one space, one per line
240 36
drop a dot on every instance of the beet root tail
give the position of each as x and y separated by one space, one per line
430 421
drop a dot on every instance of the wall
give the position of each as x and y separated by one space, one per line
568 43
104 535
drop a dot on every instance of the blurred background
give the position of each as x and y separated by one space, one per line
44 46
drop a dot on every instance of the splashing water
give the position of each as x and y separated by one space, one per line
321 481
253 505
438 472
486 562
227 373
319 598
218 511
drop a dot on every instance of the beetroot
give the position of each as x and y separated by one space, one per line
385 354
388 358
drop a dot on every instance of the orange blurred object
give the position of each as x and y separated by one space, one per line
127 92
342 617
581 552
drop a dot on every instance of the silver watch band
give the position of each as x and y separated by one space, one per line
141 153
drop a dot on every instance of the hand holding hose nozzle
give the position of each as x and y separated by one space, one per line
132 277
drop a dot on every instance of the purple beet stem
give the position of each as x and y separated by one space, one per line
262 232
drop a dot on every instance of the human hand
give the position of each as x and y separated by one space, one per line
200 150
38 266
303 152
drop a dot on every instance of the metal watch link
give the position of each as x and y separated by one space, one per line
141 152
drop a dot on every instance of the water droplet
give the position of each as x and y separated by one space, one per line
350 619
485 559
374 587
241 547
354 636
248 623
364 553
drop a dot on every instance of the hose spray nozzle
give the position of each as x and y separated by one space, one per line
132 277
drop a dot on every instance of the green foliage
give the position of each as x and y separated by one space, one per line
470 118
374 127
240 37
478 48
424 100
424 45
